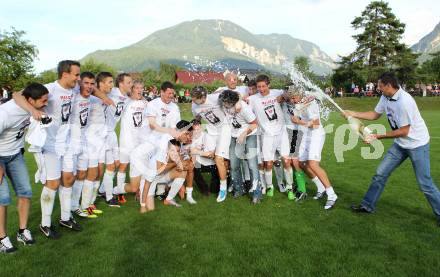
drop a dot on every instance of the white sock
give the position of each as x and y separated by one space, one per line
152 189
262 178
101 188
76 193
279 174
47 200
331 195
94 192
86 196
319 186
247 174
65 195
223 184
189 192
141 190
120 179
268 178
175 187
288 174
107 181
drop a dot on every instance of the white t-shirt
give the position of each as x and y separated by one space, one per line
13 123
59 109
96 131
311 112
289 111
240 121
242 90
402 110
132 121
268 111
113 114
204 143
212 113
166 115
79 120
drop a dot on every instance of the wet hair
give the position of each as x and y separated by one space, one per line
182 124
175 142
389 78
34 91
101 77
120 78
166 85
198 92
252 83
228 96
65 67
87 74
263 78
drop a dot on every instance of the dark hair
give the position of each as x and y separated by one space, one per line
101 77
389 78
183 124
175 142
228 96
120 78
196 121
263 78
252 83
65 66
198 92
166 85
34 91
87 74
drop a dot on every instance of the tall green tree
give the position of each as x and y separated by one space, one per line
16 58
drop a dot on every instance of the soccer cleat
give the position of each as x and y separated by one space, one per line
300 196
263 189
221 196
49 232
25 237
329 204
171 202
282 188
113 203
269 192
95 210
319 195
191 200
70 224
290 195
102 195
90 213
80 213
6 246
121 199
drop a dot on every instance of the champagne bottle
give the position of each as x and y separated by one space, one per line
359 127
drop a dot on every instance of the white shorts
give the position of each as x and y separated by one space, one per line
124 155
222 141
311 146
72 163
272 144
53 164
143 162
295 137
111 149
259 150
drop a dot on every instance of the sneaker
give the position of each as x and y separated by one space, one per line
80 213
6 246
329 204
190 200
290 195
263 190
282 188
95 210
230 188
171 202
90 213
113 203
319 195
269 192
49 232
25 237
221 196
70 224
300 196
121 199
102 195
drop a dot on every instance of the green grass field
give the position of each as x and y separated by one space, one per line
234 238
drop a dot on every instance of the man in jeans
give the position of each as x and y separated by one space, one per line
411 140
13 123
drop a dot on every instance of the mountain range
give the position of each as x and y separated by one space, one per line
428 44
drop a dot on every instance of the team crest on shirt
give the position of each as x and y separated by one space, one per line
137 119
270 112
235 123
23 127
291 110
83 114
212 118
66 108
119 108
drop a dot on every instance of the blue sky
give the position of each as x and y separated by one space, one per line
70 29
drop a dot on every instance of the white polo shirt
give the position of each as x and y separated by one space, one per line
402 110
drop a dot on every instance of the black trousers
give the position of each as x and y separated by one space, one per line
200 181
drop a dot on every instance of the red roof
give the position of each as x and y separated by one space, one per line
188 77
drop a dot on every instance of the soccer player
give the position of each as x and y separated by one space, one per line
13 122
112 116
311 145
231 80
207 107
243 143
411 140
59 109
75 161
274 138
